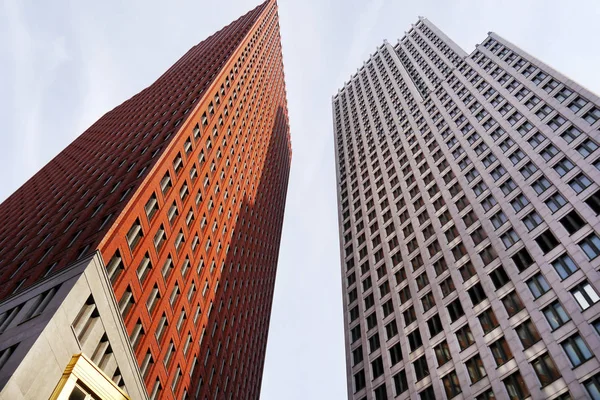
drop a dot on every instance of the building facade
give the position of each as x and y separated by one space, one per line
468 190
141 261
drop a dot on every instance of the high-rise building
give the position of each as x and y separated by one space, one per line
468 190
140 262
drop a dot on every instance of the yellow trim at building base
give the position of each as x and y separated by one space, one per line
82 372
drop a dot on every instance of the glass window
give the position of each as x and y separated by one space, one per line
528 334
585 295
538 285
465 337
442 353
592 386
512 303
580 183
451 385
591 246
488 321
564 266
556 315
576 350
532 220
501 351
400 382
475 368
516 387
545 369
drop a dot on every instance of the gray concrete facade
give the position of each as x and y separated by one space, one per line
43 327
468 197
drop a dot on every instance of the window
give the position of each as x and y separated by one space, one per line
528 334
538 285
488 321
516 387
400 382
512 303
377 367
594 202
545 369
522 259
421 368
409 316
564 166
540 185
528 170
591 246
465 337
509 238
555 202
499 219
592 115
447 286
395 354
359 380
374 343
475 368
576 349
547 241
501 351
563 94
380 392
357 355
592 386
564 266
435 325
587 147
570 134
580 183
519 202
555 315
477 294
165 183
134 235
499 277
487 395
508 186
152 300
556 122
159 238
577 104
516 156
427 394
488 255
585 295
532 220
467 271
549 152
151 207
173 213
455 310
414 340
451 385
572 222
442 353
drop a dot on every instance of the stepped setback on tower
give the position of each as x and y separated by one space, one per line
468 193
140 262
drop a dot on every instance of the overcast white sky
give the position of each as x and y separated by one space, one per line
64 63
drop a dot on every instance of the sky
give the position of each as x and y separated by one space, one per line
65 63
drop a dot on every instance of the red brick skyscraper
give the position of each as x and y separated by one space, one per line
180 193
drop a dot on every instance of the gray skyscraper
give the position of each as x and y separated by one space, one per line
468 189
